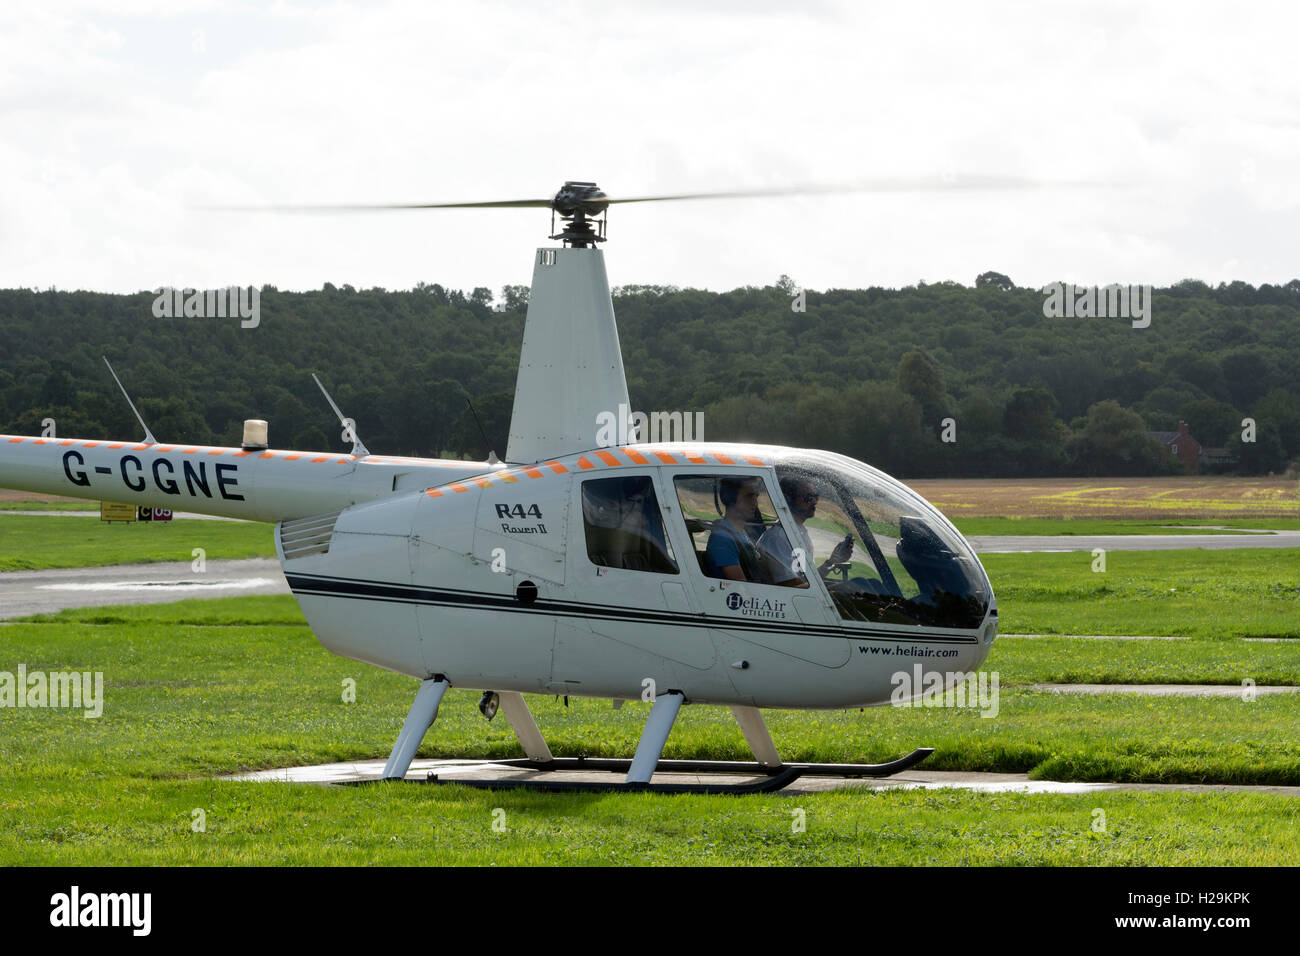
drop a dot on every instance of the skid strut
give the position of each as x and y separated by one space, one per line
423 713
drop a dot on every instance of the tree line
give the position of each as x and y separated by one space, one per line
934 379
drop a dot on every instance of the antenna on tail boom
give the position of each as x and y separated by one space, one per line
349 426
148 435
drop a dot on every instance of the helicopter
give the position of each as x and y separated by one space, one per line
675 572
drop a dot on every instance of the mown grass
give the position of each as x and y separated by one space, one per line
209 687
1064 660
1242 592
253 689
31 542
139 823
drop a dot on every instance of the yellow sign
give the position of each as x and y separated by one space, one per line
112 511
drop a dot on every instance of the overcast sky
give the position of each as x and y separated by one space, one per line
121 118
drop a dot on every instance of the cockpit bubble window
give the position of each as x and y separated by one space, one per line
887 556
734 527
624 526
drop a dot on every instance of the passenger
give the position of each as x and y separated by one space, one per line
802 499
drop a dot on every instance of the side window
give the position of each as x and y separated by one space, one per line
624 526
735 530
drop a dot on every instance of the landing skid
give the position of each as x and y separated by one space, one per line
775 774
774 778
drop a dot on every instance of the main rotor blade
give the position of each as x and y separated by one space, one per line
369 207
929 184
940 183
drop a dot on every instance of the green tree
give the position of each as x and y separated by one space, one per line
1262 456
1211 422
1281 410
1036 437
493 413
1247 374
311 439
920 376
1113 441
514 298
994 280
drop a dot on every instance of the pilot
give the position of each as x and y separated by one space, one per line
731 552
802 499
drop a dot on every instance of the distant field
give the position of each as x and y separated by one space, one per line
49 505
1143 498
8 494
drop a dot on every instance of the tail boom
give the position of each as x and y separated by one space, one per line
260 485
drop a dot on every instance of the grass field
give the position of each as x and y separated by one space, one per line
1212 594
150 823
1205 500
28 542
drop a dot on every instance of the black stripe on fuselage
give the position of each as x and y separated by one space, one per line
392 593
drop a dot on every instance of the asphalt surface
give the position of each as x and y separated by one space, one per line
999 544
44 592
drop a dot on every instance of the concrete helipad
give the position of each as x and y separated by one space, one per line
371 770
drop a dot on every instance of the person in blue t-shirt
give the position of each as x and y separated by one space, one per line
731 553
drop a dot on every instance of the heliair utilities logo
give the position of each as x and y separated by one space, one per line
756 607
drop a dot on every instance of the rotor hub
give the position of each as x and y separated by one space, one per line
579 206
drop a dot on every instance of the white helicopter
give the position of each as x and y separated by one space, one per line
748 576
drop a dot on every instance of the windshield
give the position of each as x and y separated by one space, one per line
886 556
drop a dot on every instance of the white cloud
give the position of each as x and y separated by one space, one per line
119 120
